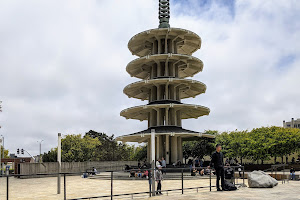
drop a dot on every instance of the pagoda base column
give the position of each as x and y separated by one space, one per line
179 147
149 150
174 151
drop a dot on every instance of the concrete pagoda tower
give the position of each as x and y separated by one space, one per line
165 61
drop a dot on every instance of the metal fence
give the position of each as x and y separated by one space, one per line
180 172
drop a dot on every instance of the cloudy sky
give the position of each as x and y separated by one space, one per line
62 65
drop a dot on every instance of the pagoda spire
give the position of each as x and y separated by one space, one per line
164 14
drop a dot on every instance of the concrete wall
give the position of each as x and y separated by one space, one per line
72 167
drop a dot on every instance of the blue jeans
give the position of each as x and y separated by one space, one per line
293 176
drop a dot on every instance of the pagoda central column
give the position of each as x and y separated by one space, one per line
168 149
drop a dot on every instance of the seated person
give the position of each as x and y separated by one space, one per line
201 172
194 172
145 175
132 173
85 174
139 174
292 173
94 171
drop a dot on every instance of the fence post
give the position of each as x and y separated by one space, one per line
149 181
153 178
65 189
210 180
7 191
234 176
243 175
111 184
181 181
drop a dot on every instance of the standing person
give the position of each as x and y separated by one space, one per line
158 178
197 162
218 163
163 165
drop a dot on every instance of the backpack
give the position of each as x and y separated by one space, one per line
229 186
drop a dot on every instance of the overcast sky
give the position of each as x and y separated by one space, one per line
62 65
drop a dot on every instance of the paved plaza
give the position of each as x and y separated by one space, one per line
45 189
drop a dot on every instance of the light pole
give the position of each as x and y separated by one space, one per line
2 153
40 160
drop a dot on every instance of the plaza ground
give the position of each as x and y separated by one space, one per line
46 188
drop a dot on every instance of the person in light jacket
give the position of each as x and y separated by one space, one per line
158 178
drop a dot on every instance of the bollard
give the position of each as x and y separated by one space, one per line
181 181
111 185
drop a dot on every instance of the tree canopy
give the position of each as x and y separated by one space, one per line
94 146
260 143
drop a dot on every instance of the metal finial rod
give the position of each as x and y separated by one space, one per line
164 13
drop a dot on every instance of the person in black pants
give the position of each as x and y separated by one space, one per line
158 178
218 163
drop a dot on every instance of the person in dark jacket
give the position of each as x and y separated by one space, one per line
218 163
293 175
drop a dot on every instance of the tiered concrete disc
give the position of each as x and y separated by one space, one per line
189 65
185 42
187 87
186 110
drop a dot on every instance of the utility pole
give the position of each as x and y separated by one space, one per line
2 153
0 157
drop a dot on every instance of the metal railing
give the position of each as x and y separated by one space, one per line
280 167
150 193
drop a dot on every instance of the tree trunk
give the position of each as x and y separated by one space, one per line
262 161
275 159
241 160
281 159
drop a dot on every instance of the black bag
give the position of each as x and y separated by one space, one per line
229 186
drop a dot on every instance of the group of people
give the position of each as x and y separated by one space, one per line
139 173
88 173
161 163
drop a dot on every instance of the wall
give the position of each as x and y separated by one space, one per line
72 167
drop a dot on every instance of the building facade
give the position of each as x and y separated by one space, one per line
292 124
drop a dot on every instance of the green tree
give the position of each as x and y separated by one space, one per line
199 148
6 152
140 153
51 156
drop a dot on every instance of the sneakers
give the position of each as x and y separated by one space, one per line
218 189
